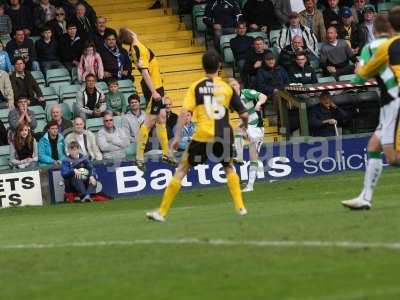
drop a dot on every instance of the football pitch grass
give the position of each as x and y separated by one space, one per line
297 242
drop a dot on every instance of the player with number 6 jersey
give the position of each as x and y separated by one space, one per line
210 100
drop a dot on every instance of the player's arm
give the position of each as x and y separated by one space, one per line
365 56
238 106
261 99
372 67
147 79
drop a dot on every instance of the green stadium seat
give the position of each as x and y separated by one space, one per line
4 157
126 85
5 39
226 48
38 75
261 34
197 17
58 85
117 121
35 38
4 115
70 104
273 37
69 91
349 77
41 124
102 86
49 93
385 6
94 125
74 73
57 75
38 112
326 79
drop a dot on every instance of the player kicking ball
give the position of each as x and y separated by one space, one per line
146 62
253 102
210 99
380 58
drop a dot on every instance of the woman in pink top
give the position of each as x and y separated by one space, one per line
90 63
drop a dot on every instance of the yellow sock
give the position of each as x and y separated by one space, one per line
142 141
163 138
169 195
234 189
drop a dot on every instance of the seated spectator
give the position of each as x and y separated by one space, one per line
21 16
133 119
312 18
43 13
71 47
57 115
367 27
51 147
332 13
295 28
221 16
23 149
336 55
112 140
90 101
187 132
358 10
350 32
5 63
6 91
301 72
3 134
59 24
90 63
5 24
101 31
84 24
47 51
86 140
287 57
271 78
260 15
115 100
241 45
70 9
325 115
79 175
24 48
23 83
21 115
254 61
116 61
172 118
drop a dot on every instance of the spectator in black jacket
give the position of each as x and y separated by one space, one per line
21 16
172 118
260 15
59 24
84 25
367 27
271 78
325 115
101 30
116 61
221 16
23 47
332 13
349 31
241 45
47 51
254 60
3 135
287 57
71 47
70 9
300 72
43 13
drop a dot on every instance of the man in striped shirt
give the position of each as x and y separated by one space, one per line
373 63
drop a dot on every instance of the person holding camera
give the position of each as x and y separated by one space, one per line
326 116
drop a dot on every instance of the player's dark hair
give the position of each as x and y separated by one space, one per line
394 18
381 24
211 62
133 97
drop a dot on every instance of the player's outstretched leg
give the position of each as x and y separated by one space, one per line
238 158
170 193
163 139
233 182
252 176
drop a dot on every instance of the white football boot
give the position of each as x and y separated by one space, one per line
242 211
155 216
248 189
358 203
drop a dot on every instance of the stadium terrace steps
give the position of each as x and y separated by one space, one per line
143 14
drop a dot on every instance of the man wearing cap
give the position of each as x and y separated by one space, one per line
296 29
349 31
367 27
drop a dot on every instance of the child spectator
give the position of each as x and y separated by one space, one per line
115 100
187 132
5 24
90 63
79 175
5 63
23 149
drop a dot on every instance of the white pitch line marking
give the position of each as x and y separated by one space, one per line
211 242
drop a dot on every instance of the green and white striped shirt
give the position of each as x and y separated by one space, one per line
249 99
